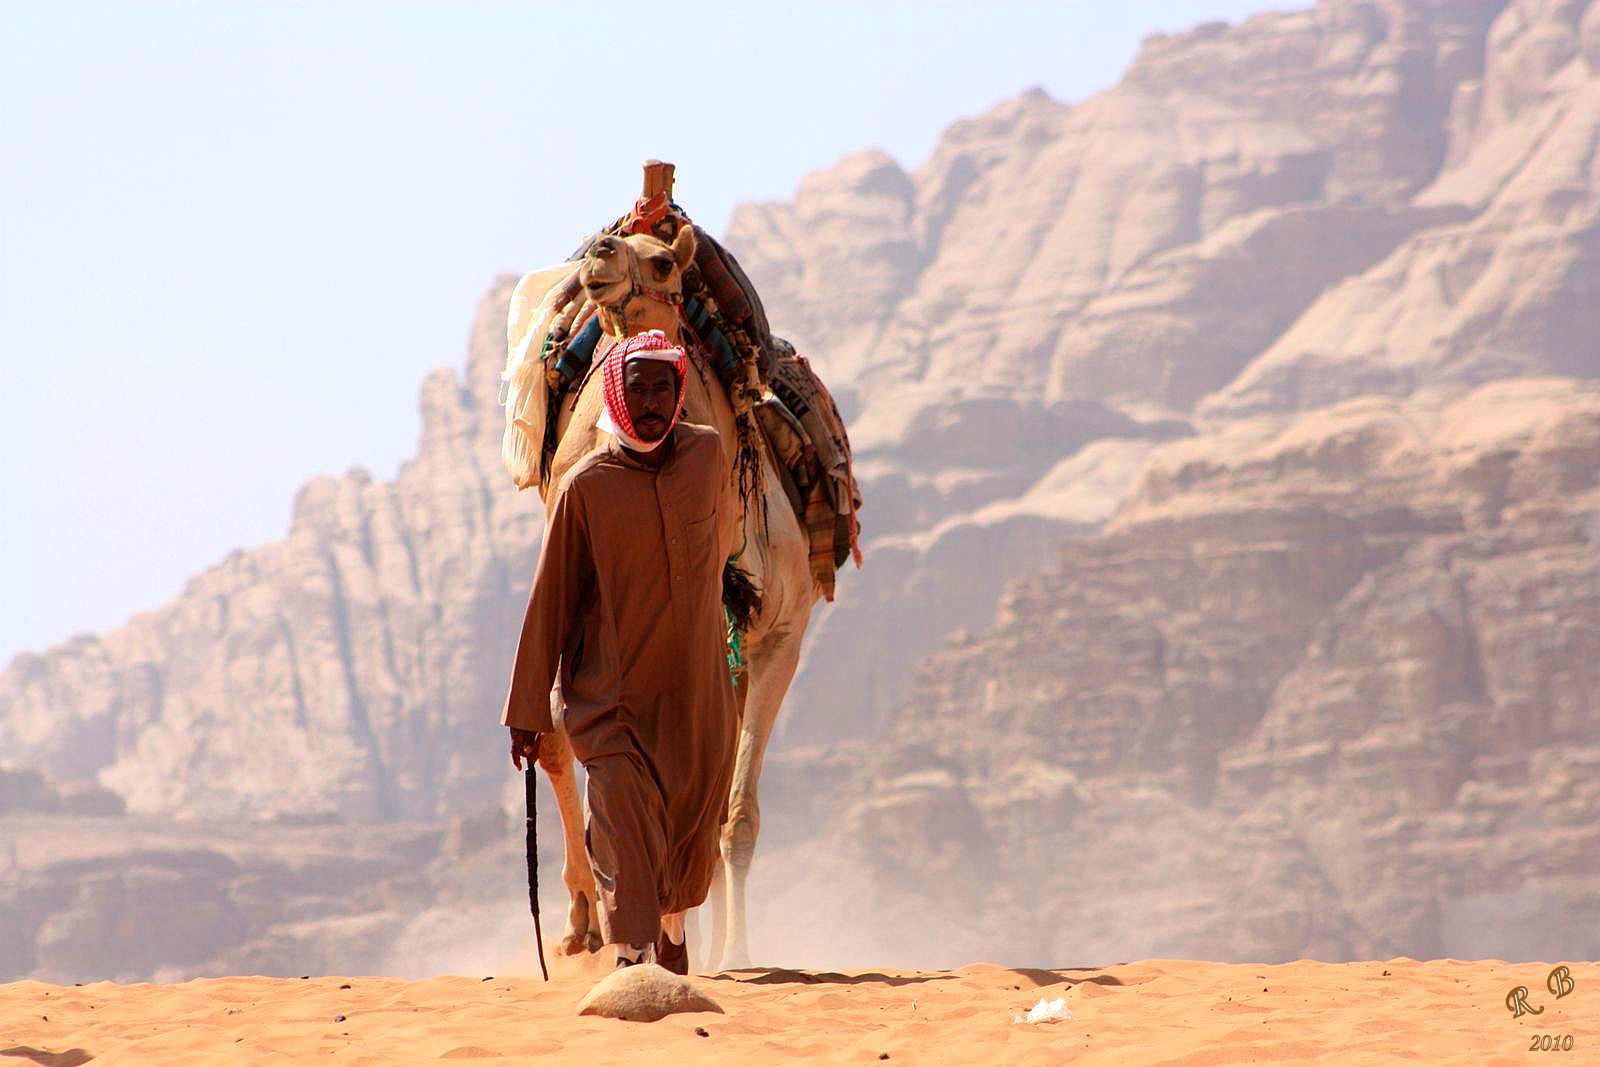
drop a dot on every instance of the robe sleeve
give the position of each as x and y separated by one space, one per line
561 578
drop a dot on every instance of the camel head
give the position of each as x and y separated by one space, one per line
637 281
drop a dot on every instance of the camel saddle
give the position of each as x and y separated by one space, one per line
808 437
797 415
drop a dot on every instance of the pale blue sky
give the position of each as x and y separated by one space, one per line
233 238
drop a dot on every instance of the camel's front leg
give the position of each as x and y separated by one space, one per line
583 924
718 899
771 670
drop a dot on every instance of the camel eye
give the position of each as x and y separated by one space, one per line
662 265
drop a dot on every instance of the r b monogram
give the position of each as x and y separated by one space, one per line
1559 982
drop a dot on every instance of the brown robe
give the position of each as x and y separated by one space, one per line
627 598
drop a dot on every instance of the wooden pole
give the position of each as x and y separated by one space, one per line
529 788
657 178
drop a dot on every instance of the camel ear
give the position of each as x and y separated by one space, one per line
683 246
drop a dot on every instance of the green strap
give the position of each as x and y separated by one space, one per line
735 638
735 648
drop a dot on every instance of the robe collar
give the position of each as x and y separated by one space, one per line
614 448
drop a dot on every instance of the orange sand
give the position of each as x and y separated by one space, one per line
1166 1012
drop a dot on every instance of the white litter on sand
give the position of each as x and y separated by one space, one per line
1046 1011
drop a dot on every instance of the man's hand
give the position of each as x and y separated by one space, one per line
524 746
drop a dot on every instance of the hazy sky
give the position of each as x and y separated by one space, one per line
233 238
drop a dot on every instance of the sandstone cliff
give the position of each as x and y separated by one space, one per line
138 899
1513 285
1257 219
1326 686
342 671
1144 245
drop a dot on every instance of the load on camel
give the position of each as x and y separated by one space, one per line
790 501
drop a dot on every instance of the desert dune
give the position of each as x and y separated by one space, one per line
1166 1012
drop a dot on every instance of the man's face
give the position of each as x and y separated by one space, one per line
650 387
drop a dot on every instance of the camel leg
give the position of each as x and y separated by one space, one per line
691 930
717 896
719 917
772 668
583 924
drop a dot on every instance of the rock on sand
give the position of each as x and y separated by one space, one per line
644 993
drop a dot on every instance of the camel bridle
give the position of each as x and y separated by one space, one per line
638 288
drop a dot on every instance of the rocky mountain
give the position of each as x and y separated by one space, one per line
140 899
26 791
1228 442
353 669
1143 246
1361 198
1325 686
1513 285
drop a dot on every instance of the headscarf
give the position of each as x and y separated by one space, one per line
614 418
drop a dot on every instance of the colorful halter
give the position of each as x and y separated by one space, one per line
638 288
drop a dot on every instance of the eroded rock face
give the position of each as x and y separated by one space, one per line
336 672
1513 287
1327 687
24 791
85 899
1144 245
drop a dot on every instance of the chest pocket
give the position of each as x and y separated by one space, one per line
700 544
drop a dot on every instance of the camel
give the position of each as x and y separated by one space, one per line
636 283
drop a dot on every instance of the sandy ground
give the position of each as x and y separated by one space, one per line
1166 1012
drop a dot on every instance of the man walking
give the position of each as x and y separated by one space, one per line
627 605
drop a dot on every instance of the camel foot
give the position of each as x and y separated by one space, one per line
578 942
579 936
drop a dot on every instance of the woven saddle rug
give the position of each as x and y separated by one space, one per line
808 436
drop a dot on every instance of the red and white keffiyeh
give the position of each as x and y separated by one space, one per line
614 418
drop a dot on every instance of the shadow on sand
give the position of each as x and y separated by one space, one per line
1040 977
70 1058
781 976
